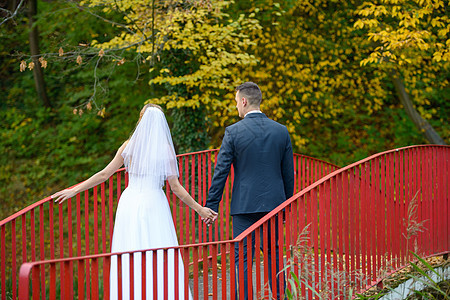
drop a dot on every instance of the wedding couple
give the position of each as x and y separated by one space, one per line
258 148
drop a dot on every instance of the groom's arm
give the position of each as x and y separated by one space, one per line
221 171
287 166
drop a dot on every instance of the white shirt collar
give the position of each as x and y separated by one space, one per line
256 111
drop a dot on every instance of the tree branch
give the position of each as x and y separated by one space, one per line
11 14
102 18
424 127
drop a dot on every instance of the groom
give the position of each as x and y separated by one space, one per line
261 153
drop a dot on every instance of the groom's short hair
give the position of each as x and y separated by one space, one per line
251 92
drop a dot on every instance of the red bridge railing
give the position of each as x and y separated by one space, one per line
55 234
353 227
345 231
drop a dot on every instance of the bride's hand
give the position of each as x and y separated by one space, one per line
63 195
207 215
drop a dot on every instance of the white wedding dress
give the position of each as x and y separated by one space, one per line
144 221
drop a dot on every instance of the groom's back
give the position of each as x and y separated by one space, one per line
261 148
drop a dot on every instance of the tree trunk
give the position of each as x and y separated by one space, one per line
11 5
424 127
34 48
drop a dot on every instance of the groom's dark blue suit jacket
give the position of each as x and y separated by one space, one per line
261 152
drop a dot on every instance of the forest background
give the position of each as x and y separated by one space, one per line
347 78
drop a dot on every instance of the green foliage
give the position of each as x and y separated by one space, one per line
309 55
304 54
189 123
45 150
188 130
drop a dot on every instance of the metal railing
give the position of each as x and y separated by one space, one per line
344 231
363 221
83 226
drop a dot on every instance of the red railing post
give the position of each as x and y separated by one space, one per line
249 266
390 208
131 276
52 292
205 270
24 273
321 230
186 272
81 274
215 277
3 262
165 274
119 276
354 220
196 271
144 275
41 247
13 261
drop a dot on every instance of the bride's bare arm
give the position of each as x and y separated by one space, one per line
184 196
94 180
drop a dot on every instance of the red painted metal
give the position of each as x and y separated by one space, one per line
214 253
166 272
257 257
205 270
119 276
249 278
3 262
321 228
273 244
356 214
223 250
196 270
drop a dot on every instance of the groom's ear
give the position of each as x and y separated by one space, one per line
244 101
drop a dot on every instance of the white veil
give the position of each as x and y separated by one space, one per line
150 151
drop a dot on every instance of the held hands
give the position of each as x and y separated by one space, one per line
63 195
208 215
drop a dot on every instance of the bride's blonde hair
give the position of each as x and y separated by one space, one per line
147 106
144 108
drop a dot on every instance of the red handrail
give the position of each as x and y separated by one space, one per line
83 225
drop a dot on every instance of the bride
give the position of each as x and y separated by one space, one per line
143 219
